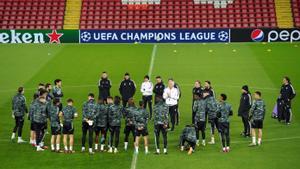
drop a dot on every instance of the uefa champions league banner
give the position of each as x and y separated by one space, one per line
39 36
155 36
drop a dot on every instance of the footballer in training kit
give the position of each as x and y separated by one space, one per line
88 121
257 116
19 109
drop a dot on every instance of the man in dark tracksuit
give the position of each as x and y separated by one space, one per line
243 112
177 107
127 89
212 109
88 121
104 86
188 135
129 114
199 108
19 109
159 88
39 118
209 89
197 92
115 111
224 111
101 124
287 93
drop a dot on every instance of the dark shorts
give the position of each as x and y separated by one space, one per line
68 128
39 126
201 125
100 129
143 132
257 124
56 130
224 127
129 129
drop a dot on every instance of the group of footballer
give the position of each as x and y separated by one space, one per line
104 115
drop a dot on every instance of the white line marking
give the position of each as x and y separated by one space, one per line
134 160
269 140
135 156
191 85
152 60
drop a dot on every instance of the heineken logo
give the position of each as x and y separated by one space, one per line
30 36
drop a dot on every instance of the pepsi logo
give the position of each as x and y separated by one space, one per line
257 35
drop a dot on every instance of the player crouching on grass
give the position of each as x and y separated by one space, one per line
224 111
115 110
129 121
188 135
89 109
101 124
141 120
199 108
161 122
257 115
54 116
69 113
18 112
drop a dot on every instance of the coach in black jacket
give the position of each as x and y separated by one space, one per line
127 89
287 93
243 112
104 86
159 88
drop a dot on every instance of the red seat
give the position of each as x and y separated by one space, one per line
35 14
178 14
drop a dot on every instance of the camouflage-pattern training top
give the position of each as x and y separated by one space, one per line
160 111
19 107
258 110
115 115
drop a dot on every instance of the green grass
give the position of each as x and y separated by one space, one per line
80 65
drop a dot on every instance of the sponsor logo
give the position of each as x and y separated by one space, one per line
223 36
284 35
257 35
29 36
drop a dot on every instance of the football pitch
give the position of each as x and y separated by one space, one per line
227 66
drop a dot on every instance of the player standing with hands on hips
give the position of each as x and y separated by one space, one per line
171 95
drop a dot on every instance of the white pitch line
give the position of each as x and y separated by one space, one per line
134 160
95 85
152 60
135 156
270 140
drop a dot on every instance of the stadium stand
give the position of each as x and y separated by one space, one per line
296 12
169 14
32 14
